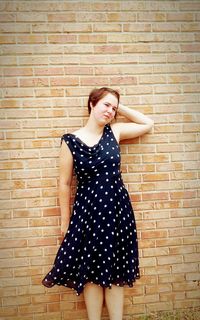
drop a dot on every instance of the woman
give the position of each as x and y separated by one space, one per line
99 253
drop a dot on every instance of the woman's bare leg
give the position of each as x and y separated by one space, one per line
93 295
114 299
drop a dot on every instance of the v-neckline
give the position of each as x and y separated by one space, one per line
83 143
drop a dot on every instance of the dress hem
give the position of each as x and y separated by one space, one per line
129 283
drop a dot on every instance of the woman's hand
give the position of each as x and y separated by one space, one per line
64 228
133 115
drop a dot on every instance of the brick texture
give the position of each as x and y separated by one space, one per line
52 54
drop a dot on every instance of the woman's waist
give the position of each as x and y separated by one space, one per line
103 176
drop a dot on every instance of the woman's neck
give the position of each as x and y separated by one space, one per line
94 127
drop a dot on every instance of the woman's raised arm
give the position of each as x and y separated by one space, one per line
139 124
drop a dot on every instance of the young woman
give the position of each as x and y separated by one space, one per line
99 252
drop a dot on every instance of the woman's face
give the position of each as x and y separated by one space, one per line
105 109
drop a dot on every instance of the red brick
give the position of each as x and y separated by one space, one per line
166 296
43 222
107 49
182 78
18 93
102 27
174 259
155 177
105 6
32 309
189 27
193 276
189 6
28 253
181 232
168 242
15 301
150 243
169 166
49 71
154 234
187 268
150 279
151 16
75 28
42 242
96 38
166 27
62 39
29 39
6 311
49 92
150 298
90 17
180 16
170 278
147 262
164 269
65 81
76 48
58 17
159 289
136 48
78 70
186 304
193 294
96 81
13 71
46 299
34 82
190 47
8 82
191 240
13 244
119 80
137 27
155 196
193 257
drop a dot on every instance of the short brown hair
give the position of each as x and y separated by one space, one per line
98 94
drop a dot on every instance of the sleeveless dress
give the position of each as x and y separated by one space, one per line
100 245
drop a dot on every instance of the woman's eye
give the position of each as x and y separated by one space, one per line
108 105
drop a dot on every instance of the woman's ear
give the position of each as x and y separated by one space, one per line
91 105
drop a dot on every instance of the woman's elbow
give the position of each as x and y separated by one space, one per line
63 185
150 125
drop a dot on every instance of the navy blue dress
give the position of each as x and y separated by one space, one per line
100 245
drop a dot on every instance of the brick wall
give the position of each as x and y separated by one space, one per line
53 53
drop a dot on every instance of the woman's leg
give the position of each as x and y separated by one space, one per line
93 295
114 299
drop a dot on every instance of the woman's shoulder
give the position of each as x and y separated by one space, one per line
77 132
68 135
65 137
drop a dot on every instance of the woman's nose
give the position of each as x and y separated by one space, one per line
109 109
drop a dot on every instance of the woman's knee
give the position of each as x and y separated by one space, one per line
93 288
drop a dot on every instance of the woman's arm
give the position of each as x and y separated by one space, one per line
139 124
66 173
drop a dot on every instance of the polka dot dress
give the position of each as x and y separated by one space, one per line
100 245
